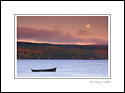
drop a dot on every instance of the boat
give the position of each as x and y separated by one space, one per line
44 70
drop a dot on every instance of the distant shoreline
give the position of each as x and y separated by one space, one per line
61 59
55 51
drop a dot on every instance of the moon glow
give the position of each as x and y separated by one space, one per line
88 26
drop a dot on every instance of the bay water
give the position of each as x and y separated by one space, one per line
65 68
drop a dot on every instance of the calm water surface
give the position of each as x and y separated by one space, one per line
65 68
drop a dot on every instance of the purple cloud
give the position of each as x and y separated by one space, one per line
83 32
57 36
44 35
37 34
97 41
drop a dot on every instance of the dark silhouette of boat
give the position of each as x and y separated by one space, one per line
44 70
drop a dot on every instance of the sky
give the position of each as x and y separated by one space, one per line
80 30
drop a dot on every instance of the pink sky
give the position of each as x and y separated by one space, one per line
63 29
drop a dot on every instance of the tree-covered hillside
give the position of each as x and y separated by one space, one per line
53 51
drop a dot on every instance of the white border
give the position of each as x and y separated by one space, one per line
109 45
10 84
109 61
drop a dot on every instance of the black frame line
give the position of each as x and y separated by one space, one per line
62 77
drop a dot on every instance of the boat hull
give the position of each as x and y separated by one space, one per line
44 70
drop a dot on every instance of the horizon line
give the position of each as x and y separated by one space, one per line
62 44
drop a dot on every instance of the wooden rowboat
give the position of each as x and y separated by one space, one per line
44 70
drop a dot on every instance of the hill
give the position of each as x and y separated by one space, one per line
27 50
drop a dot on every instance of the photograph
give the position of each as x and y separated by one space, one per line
62 46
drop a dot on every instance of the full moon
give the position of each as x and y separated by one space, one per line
88 26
